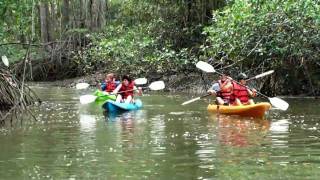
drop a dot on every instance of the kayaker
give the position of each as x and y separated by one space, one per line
222 89
241 92
126 89
109 83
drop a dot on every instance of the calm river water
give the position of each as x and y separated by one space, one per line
164 140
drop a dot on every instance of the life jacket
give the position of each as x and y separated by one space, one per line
110 86
225 93
126 89
240 92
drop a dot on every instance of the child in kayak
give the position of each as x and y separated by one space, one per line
222 89
109 83
126 89
241 92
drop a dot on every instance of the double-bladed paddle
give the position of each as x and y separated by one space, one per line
215 87
212 70
261 75
195 99
5 60
204 66
155 86
275 101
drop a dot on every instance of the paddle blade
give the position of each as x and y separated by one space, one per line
279 103
190 101
82 85
5 60
140 81
157 85
205 67
86 99
264 74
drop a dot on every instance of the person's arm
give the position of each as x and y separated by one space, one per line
115 91
117 82
138 90
214 89
103 86
252 92
99 86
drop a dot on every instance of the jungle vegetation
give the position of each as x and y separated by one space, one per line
68 38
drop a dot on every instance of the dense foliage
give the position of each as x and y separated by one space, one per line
15 25
152 37
155 38
280 35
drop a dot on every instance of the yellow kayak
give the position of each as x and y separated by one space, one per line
256 110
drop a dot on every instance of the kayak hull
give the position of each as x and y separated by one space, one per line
102 96
112 106
256 110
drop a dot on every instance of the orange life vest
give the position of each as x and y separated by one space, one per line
240 92
110 86
126 90
225 93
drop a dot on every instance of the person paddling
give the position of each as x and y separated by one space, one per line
241 93
109 83
126 90
222 89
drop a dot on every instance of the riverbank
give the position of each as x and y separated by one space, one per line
194 83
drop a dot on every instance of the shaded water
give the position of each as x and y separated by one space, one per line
164 140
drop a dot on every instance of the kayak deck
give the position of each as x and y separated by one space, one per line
112 106
256 110
102 96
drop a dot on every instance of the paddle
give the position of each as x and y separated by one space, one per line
82 85
194 99
275 101
261 75
215 87
138 81
155 86
212 70
5 60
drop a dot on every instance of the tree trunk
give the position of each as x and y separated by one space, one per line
65 15
87 10
96 14
44 22
53 22
102 14
82 14
32 21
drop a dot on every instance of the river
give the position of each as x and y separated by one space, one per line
164 140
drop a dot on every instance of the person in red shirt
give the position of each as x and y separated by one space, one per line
241 92
125 90
109 83
222 89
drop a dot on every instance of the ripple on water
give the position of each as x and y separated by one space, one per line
165 141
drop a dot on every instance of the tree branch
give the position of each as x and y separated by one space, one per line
29 44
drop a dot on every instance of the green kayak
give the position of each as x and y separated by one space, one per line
102 96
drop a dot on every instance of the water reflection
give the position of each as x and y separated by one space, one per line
280 126
240 131
138 116
162 141
129 126
87 123
157 135
279 133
